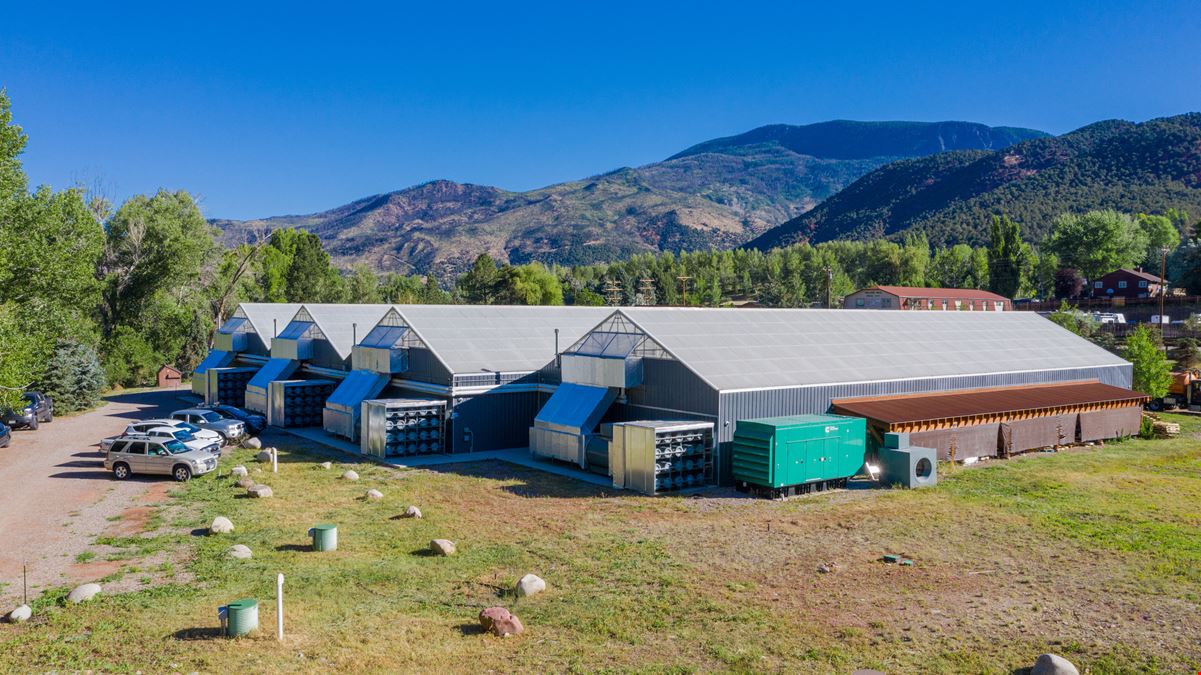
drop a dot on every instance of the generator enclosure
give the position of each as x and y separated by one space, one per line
403 427
654 457
905 465
297 403
227 385
790 455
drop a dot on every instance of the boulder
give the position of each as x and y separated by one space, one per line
83 593
326 465
412 512
246 483
530 584
20 614
240 551
442 547
259 491
264 456
252 443
1053 664
499 621
221 525
239 471
374 495
350 475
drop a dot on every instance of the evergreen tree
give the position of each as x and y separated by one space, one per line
73 377
1006 257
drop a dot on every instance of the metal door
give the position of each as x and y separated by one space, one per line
798 456
135 454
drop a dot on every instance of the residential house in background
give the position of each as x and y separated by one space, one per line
1126 283
909 297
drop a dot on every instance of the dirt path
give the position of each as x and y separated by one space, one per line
55 496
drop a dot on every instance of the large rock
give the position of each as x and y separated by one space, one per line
240 551
442 547
412 512
1053 664
530 584
374 495
350 475
264 456
239 471
499 621
246 483
252 443
259 491
221 525
19 615
326 465
83 593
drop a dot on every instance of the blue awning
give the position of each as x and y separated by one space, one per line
575 408
274 369
358 386
215 359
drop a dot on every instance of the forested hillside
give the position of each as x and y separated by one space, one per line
718 194
949 197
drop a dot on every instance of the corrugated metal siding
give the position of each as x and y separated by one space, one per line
816 400
669 384
498 421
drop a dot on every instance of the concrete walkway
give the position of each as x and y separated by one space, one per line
518 456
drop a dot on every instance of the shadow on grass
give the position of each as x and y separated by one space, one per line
470 629
294 547
425 553
191 634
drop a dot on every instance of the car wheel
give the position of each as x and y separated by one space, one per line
120 471
181 473
49 417
33 423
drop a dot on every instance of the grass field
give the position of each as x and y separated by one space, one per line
1091 553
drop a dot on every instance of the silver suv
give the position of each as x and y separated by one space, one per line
146 455
230 430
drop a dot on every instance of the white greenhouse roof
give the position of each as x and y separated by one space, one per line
268 317
735 349
343 324
500 338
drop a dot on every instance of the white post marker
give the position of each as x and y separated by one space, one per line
274 460
279 608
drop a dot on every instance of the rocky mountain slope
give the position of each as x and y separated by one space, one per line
951 197
721 193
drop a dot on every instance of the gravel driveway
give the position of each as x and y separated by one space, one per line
56 497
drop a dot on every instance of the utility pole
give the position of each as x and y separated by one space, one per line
684 288
829 288
646 292
612 293
1163 286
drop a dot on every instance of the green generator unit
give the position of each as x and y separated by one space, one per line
785 456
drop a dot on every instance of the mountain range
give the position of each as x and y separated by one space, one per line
952 196
720 193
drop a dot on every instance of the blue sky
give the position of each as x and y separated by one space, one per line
265 109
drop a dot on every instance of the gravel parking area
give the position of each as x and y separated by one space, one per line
56 497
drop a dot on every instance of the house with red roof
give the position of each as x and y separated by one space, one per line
911 297
1125 283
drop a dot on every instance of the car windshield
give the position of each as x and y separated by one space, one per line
176 447
182 436
190 427
211 417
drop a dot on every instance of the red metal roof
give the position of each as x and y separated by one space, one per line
949 293
911 408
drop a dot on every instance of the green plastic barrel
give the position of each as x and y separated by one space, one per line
242 616
325 537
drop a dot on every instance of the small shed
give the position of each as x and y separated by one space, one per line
169 377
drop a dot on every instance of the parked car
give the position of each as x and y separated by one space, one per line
6 436
230 430
38 408
203 434
154 456
170 433
255 423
